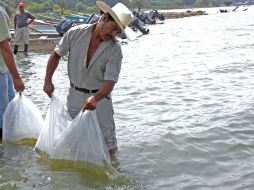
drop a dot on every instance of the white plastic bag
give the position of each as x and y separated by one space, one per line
82 142
57 119
22 121
73 143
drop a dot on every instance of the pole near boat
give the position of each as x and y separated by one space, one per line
35 30
235 8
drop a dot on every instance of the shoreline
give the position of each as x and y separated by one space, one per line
188 13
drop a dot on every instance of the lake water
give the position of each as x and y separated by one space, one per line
184 111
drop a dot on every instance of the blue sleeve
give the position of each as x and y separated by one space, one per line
29 15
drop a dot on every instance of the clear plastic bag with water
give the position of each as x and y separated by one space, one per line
74 143
22 121
57 119
82 142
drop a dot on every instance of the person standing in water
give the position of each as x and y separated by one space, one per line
8 70
22 20
94 65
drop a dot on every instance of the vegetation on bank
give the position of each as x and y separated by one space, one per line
172 15
88 6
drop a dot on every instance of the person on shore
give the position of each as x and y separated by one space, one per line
22 19
94 65
8 70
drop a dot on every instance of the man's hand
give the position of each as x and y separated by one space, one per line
48 88
90 103
53 61
10 63
19 85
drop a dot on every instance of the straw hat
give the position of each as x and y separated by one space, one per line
120 13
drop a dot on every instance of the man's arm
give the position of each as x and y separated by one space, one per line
111 74
15 22
10 63
51 67
106 88
31 19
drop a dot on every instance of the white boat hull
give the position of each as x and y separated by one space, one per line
40 44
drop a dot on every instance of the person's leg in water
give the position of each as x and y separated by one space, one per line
26 40
26 49
104 113
11 91
3 97
16 48
17 38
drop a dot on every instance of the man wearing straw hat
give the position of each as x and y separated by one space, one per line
94 65
21 28
8 71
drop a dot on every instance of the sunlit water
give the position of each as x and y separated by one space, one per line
183 108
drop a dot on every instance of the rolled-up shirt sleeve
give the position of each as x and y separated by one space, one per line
30 15
113 65
63 46
4 29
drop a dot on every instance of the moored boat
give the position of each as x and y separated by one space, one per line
42 44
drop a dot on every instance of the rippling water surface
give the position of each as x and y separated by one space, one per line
183 108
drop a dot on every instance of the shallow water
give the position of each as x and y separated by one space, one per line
183 110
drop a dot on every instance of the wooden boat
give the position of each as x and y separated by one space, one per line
41 44
43 36
76 18
33 35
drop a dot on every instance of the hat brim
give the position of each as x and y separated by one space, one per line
107 9
130 34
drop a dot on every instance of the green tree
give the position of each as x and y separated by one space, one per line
228 2
202 3
80 7
139 4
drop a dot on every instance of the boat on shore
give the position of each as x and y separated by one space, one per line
42 38
41 44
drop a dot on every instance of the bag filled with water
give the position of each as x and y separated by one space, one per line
73 143
57 119
22 121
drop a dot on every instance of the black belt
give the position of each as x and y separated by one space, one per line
84 90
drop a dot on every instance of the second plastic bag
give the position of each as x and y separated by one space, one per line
56 121
82 142
73 143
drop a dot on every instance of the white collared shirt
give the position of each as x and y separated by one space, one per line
104 65
4 35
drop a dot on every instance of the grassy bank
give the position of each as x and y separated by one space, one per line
172 15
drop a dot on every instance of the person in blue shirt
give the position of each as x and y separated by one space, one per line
21 21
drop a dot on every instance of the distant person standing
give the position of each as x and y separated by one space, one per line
8 70
21 21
